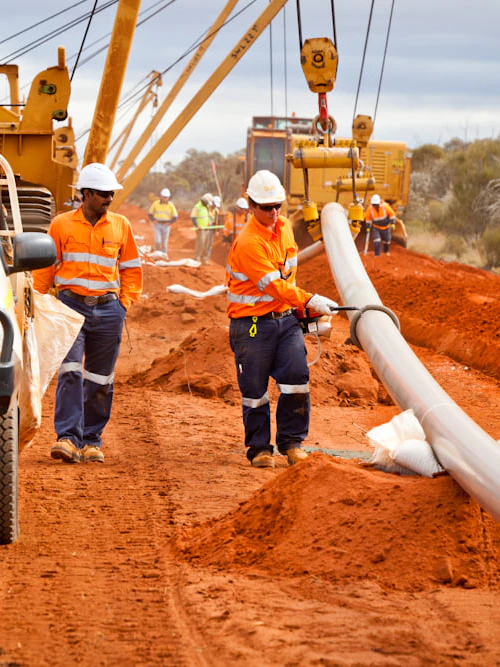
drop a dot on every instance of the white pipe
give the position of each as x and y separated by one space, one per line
467 452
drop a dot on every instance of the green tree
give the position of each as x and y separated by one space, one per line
472 169
192 177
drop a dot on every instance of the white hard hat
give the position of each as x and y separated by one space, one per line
265 188
207 198
165 192
217 201
97 176
242 203
375 199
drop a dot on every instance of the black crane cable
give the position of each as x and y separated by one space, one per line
192 48
35 25
363 59
42 40
139 23
83 40
284 62
383 61
299 21
196 44
271 68
389 25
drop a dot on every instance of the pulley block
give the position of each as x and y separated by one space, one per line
319 60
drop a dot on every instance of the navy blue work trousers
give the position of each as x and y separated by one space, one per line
378 236
264 348
86 376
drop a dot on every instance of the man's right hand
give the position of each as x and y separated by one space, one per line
322 304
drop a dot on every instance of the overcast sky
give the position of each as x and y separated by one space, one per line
441 78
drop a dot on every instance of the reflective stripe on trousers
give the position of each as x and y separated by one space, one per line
276 349
379 235
86 377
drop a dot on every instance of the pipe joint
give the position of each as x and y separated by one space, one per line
361 311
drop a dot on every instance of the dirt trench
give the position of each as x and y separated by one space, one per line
177 552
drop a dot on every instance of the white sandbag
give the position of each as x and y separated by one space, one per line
400 447
30 394
382 460
404 426
417 455
191 263
213 291
56 328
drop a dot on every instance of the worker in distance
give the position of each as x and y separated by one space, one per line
98 273
381 220
162 214
235 220
265 336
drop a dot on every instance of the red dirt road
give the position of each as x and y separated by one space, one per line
177 552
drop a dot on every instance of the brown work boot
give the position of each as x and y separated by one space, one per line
90 454
263 460
66 451
295 455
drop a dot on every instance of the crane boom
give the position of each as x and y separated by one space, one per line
174 91
112 80
148 96
241 47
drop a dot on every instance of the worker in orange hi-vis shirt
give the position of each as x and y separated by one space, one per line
98 273
381 219
265 336
235 220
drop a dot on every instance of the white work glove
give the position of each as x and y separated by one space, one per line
322 304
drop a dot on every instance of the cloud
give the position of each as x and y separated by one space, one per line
440 78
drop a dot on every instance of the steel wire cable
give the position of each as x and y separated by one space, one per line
138 24
46 38
383 61
203 38
389 25
39 23
83 40
363 59
299 22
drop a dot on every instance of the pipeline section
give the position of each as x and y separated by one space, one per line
468 453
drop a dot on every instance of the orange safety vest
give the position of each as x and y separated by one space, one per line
234 223
381 219
93 259
261 270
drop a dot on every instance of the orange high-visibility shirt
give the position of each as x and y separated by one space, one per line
381 219
261 270
234 223
93 260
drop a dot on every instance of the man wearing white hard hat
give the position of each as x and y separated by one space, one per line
265 336
162 214
235 220
98 273
381 219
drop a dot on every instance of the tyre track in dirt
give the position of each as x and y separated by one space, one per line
92 537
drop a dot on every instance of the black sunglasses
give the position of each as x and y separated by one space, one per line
105 194
269 207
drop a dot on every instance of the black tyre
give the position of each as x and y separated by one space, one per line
9 456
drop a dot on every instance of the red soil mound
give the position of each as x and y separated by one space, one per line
339 521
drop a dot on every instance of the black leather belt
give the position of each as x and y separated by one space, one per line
277 316
92 300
